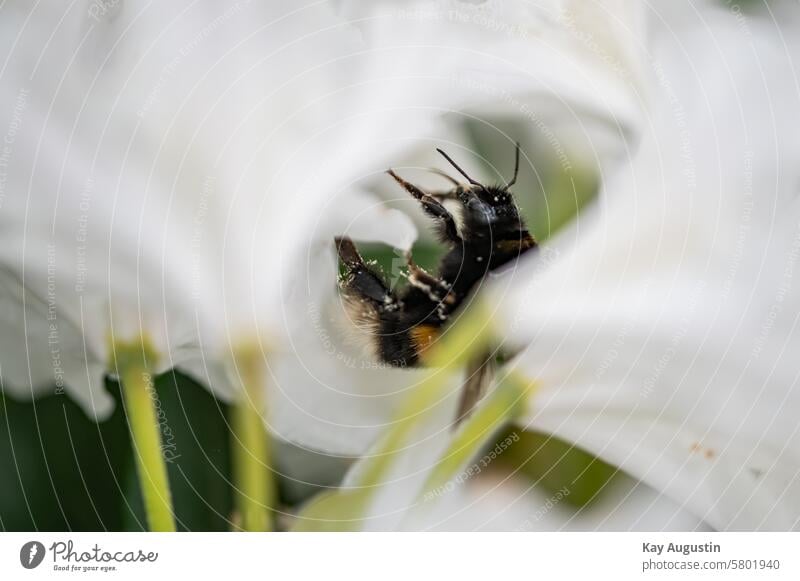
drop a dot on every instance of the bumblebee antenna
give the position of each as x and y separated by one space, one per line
516 170
461 171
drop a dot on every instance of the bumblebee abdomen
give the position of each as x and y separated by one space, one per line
403 340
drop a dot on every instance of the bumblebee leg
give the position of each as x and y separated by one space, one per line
360 280
434 208
435 288
456 194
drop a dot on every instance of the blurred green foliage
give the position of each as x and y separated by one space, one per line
555 465
553 184
59 470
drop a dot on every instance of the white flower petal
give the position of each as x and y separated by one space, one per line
499 59
50 354
492 504
662 325
176 160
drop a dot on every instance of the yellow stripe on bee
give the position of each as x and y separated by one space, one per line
423 336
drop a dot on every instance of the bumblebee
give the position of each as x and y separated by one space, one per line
400 326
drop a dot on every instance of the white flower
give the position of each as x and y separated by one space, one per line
178 172
510 504
663 327
429 478
567 72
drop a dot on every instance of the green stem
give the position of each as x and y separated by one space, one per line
345 509
470 334
251 453
501 406
139 394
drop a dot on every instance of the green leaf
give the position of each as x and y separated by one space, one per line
556 465
334 510
59 470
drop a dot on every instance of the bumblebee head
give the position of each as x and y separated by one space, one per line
488 207
492 207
